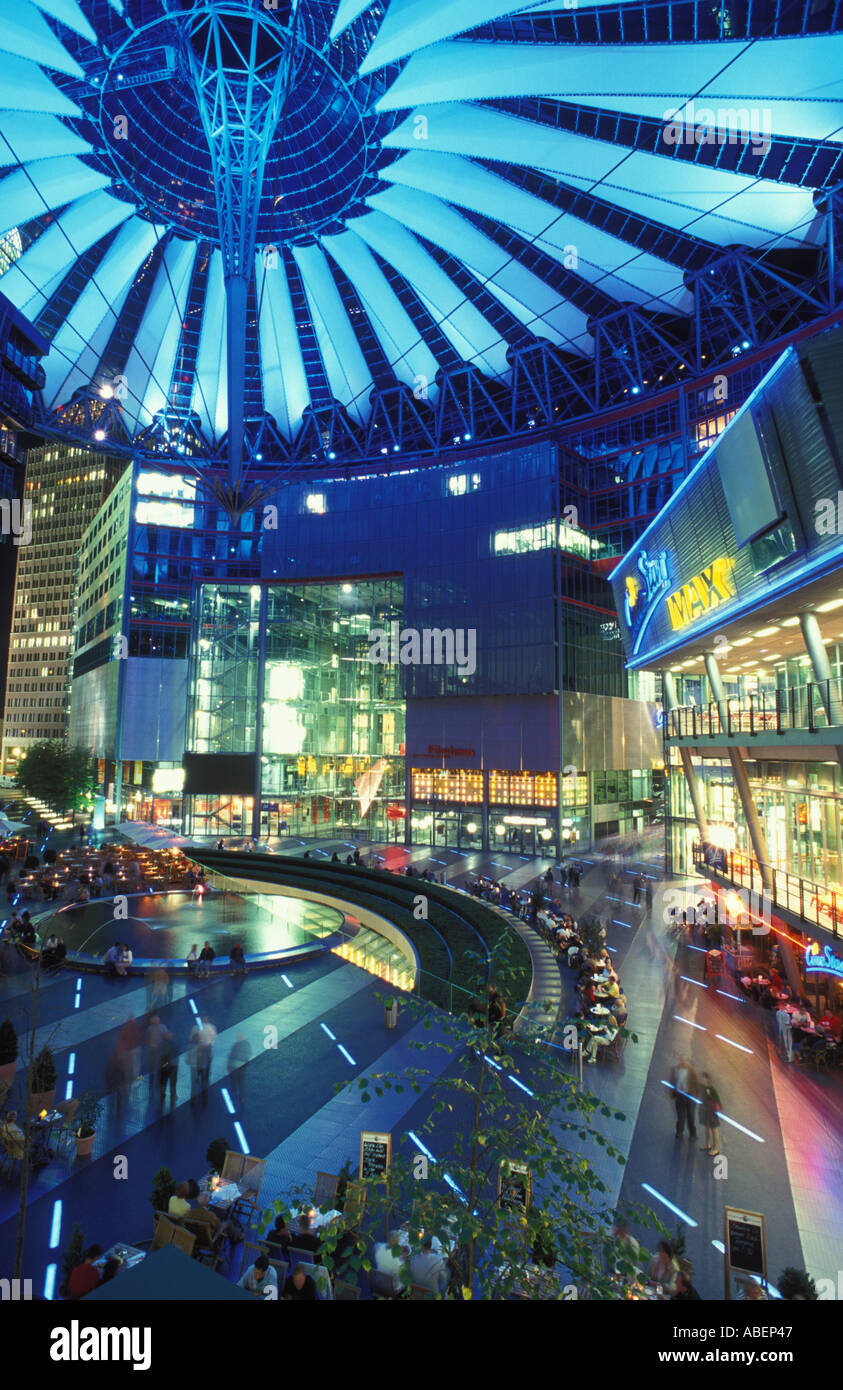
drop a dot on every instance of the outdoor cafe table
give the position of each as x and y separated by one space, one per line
599 1011
128 1255
319 1219
222 1196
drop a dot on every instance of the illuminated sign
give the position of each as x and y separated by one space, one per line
823 962
702 593
525 820
643 591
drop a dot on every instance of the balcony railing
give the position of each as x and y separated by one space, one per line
820 905
805 707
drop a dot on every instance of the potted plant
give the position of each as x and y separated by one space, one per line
43 1090
72 1257
217 1150
390 1012
8 1051
163 1187
90 1108
797 1284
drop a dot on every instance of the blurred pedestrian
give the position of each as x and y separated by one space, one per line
686 1087
710 1117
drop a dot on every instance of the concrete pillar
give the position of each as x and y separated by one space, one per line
753 820
691 779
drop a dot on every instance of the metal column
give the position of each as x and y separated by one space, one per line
691 779
750 810
815 647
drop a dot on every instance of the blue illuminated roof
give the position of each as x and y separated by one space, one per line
448 181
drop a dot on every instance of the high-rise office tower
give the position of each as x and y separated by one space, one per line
65 486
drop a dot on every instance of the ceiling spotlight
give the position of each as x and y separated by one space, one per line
99 434
830 606
332 455
467 437
636 390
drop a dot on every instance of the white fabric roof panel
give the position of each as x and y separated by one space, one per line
285 390
31 281
149 365
342 356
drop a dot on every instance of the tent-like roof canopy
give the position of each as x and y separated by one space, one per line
444 183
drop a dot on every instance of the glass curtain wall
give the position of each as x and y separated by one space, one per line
333 722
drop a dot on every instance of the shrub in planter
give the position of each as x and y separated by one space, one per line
50 856
217 1150
163 1187
8 1042
44 1073
797 1284
90 1109
32 862
72 1257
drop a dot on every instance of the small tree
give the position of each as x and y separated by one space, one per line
8 1042
43 1073
163 1187
72 1257
62 777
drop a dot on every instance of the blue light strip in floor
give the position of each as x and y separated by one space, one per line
731 996
696 948
326 1029
346 1054
50 1281
618 923
610 899
677 1211
670 1086
287 982
699 983
68 1091
229 1104
55 1225
238 1129
680 1019
71 1064
516 1082
450 1181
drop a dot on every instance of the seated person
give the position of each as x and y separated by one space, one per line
620 1010
280 1238
833 1023
300 1286
111 1267
387 1263
685 1291
112 956
259 1277
629 1245
304 1238
179 1204
601 1037
664 1267
85 1276
429 1270
12 1136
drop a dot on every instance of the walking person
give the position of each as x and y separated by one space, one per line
686 1089
204 1036
168 1073
648 896
239 1055
784 1032
710 1117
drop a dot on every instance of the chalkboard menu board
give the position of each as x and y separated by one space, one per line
375 1154
746 1245
514 1188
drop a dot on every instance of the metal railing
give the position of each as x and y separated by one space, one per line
809 707
820 905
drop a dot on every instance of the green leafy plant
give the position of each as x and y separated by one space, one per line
43 1073
677 1241
344 1177
90 1109
72 1257
8 1042
590 930
163 1187
551 1129
797 1284
62 777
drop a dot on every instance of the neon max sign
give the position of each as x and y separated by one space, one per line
702 593
823 962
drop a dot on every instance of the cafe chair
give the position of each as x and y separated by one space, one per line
380 1285
419 1294
322 1279
354 1206
183 1240
208 1249
163 1227
345 1293
304 1257
64 1133
325 1193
